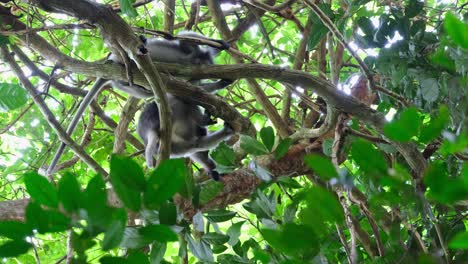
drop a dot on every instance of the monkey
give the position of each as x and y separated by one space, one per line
189 134
169 51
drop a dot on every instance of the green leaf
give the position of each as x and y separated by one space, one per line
218 249
268 137
405 127
14 248
115 231
137 258
252 146
456 29
221 215
234 233
157 252
436 125
128 172
320 30
45 220
327 147
293 239
260 172
215 238
231 259
209 190
322 166
160 233
127 8
40 189
262 206
128 181
95 203
282 148
12 96
441 187
322 207
460 241
200 250
4 40
95 193
165 181
369 159
223 155
288 182
133 239
441 58
69 192
168 214
82 242
14 229
430 89
112 260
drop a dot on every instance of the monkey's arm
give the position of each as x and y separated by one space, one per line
133 90
183 149
215 86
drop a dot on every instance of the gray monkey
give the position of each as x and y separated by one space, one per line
190 137
189 134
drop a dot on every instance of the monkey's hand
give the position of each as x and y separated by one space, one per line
225 82
228 130
207 119
224 44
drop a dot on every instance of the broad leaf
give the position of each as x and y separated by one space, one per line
69 192
220 215
14 229
322 166
40 189
224 155
165 181
282 148
405 127
14 248
252 146
456 29
127 8
115 231
268 137
160 233
215 238
12 96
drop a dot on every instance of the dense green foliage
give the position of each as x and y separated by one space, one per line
370 206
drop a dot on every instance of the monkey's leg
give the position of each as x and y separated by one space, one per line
151 147
208 164
79 113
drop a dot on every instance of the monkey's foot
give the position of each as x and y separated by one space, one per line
228 130
224 44
214 175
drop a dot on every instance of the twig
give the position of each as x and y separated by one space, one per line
12 123
49 116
